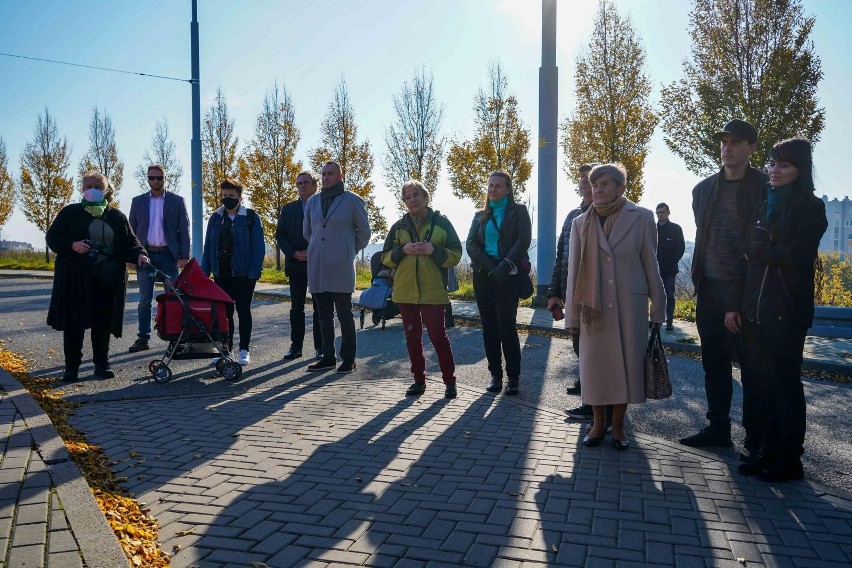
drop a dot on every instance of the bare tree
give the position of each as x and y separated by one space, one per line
270 164
218 151
340 143
102 155
43 187
414 149
162 152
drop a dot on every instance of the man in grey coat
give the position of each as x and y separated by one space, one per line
160 221
336 228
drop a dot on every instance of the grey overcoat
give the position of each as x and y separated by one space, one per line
333 241
612 359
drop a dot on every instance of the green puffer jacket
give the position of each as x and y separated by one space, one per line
422 279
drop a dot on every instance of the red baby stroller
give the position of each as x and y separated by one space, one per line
192 317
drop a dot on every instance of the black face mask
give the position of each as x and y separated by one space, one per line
230 202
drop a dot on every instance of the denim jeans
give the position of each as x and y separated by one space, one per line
164 262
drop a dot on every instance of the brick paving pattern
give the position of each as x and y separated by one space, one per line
331 471
34 530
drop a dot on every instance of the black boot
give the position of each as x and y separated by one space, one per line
496 384
70 374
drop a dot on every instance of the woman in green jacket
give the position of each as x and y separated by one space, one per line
421 247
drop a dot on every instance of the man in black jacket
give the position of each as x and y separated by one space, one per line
292 243
724 204
670 249
556 290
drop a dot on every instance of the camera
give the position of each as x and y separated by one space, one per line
94 248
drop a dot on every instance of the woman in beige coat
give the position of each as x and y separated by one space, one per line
612 274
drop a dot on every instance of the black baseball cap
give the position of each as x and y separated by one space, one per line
738 129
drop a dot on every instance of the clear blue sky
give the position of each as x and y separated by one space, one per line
308 46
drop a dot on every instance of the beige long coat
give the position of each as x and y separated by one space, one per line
612 359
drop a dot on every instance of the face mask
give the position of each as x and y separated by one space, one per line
230 202
93 195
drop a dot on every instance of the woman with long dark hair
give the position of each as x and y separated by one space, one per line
772 305
497 244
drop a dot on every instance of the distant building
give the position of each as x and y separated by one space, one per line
838 237
15 246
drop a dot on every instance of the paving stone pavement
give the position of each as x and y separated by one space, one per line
48 516
335 470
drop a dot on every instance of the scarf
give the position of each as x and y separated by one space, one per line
95 208
776 199
587 289
327 195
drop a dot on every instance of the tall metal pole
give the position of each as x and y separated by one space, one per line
548 91
197 202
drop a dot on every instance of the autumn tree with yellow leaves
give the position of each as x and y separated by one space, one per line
340 144
270 164
7 187
103 155
613 119
751 59
501 142
219 158
44 188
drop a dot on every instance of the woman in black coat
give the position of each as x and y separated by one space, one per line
772 305
93 242
497 244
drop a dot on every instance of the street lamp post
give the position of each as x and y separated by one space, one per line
197 202
548 91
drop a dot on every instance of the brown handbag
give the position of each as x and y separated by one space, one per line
657 383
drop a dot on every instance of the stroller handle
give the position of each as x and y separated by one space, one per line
167 281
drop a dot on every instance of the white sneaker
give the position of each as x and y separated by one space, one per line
245 358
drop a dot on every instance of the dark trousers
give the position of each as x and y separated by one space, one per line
775 354
241 291
498 312
101 317
718 346
298 295
326 303
669 285
414 316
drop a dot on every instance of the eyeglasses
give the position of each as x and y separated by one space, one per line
155 178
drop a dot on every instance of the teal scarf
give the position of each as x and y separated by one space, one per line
776 199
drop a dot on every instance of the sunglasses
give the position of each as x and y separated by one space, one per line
155 178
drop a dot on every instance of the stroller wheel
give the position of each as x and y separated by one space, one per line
152 366
221 363
162 373
231 371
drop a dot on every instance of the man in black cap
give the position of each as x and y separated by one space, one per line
723 204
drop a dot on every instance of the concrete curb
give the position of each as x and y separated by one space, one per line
99 546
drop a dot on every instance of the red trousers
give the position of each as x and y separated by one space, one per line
414 316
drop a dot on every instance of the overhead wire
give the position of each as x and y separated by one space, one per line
96 67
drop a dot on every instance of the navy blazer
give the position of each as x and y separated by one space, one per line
290 238
175 222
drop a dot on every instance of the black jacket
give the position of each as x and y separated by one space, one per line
670 248
514 242
72 297
288 235
776 284
560 267
750 196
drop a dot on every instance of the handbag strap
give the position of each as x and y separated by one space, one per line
653 340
